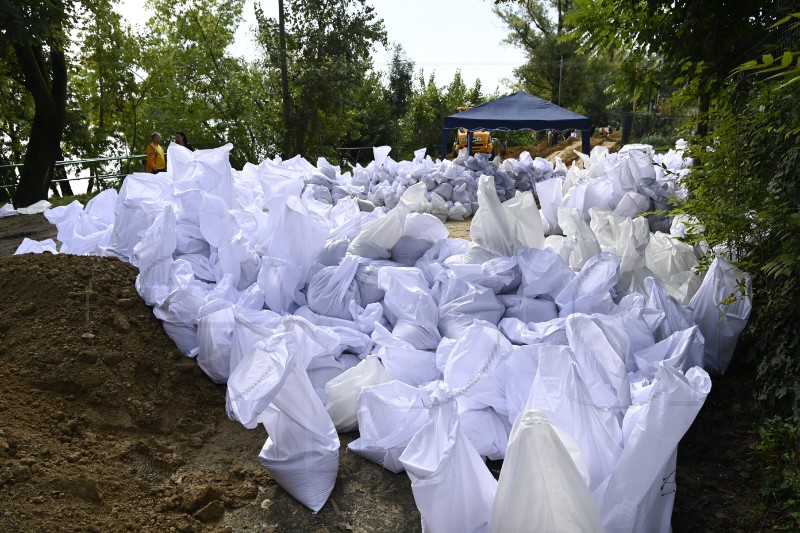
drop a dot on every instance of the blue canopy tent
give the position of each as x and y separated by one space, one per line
519 111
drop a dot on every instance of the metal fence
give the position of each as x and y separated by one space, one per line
638 127
100 175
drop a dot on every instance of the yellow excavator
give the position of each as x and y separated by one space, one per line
482 141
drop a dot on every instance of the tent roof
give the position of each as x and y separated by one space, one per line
515 112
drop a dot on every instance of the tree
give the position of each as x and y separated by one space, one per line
708 39
556 69
35 30
195 85
328 45
401 81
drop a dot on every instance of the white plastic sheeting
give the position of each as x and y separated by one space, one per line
323 316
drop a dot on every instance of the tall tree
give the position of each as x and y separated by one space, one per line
195 85
556 69
329 45
699 43
401 81
36 31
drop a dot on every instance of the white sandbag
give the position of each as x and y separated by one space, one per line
302 451
544 273
632 205
431 261
626 238
285 265
35 208
7 210
403 361
183 335
590 291
364 320
87 231
420 232
185 295
505 227
583 243
344 390
560 393
378 238
555 497
461 303
137 205
480 266
367 279
551 333
332 289
439 207
674 352
474 371
486 431
215 323
652 428
250 327
452 487
721 308
29 246
528 309
551 196
673 262
601 367
410 307
154 256
389 415
676 318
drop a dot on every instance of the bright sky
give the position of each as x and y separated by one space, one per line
438 35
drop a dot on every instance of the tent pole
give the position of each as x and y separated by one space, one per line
586 147
469 143
445 139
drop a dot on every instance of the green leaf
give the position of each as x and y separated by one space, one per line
786 60
768 59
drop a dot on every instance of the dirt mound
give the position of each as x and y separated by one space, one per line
106 426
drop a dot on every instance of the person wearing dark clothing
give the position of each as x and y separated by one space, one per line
183 140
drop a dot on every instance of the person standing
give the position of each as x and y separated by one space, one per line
183 140
156 162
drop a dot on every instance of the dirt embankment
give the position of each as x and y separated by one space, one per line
106 426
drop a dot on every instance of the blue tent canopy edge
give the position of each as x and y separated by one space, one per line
517 111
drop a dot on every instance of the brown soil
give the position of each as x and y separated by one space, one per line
105 426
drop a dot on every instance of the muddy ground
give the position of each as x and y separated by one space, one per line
105 426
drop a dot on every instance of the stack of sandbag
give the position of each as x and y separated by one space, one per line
577 358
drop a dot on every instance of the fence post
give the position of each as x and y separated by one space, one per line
627 124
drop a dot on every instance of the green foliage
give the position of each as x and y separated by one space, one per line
556 69
747 196
329 46
777 450
193 84
706 44
660 143
401 82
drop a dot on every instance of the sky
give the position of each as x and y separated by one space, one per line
438 35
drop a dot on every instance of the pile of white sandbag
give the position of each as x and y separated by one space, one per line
578 358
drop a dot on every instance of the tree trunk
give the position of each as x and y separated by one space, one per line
703 106
49 91
284 81
61 173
